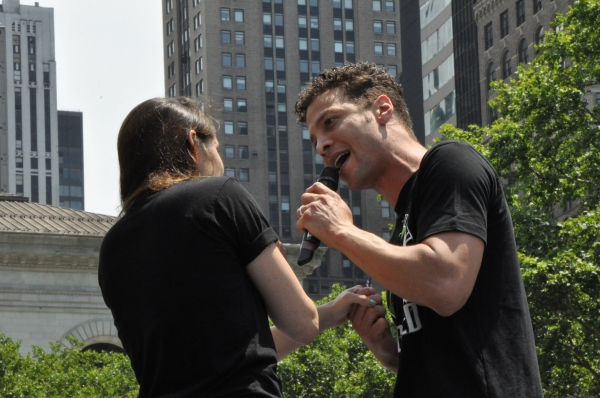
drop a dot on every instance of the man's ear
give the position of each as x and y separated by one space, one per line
383 109
191 138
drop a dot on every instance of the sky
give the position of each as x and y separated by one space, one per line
109 58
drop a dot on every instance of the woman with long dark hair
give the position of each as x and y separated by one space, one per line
192 270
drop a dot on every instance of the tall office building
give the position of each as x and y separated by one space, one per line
28 116
440 64
70 159
508 31
250 59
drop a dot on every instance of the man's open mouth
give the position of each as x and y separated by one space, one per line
339 162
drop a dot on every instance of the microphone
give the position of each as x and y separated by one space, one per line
329 177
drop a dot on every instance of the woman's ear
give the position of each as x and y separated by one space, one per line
192 139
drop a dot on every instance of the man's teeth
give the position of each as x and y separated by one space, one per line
341 159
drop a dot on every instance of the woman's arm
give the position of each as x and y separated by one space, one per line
290 309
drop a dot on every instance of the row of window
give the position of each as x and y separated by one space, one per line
506 61
378 5
390 48
227 60
243 152
488 31
390 27
239 37
241 105
243 173
238 15
240 82
228 127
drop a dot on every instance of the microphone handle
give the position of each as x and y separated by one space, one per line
310 243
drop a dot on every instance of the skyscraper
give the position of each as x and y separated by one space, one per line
250 59
70 159
440 64
28 123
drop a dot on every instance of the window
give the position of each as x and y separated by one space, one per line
489 36
337 3
225 15
338 46
170 27
392 70
520 5
438 77
504 24
281 89
385 208
537 6
198 43
243 152
229 152
230 172
440 113
268 41
376 5
199 88
169 4
431 46
170 48
227 104
302 22
238 15
268 63
491 73
269 86
228 127
226 59
314 22
303 66
303 43
244 175
242 128
506 66
350 47
278 20
240 60
314 44
227 82
337 24
171 70
314 3
280 64
349 25
316 66
389 5
279 43
378 47
391 49
301 2
173 90
225 37
240 38
267 19
281 107
348 4
240 82
198 65
377 27
523 52
390 27
539 35
242 105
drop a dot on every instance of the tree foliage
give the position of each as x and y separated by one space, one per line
546 149
63 372
336 364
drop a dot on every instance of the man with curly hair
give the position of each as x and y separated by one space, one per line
462 324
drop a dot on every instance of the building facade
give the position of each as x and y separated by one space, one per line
248 61
440 65
508 31
28 124
70 159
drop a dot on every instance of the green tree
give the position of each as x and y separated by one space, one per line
336 364
64 372
546 149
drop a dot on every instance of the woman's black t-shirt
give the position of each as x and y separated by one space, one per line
172 271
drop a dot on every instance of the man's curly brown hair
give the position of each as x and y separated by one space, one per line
362 83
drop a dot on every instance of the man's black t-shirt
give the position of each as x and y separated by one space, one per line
173 273
486 349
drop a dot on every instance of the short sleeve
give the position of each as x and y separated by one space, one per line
239 216
455 184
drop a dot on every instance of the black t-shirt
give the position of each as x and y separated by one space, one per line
173 272
485 349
